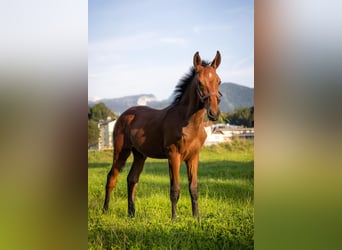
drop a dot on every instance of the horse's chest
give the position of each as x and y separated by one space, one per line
191 141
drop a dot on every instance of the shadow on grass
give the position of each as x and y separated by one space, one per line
99 165
225 190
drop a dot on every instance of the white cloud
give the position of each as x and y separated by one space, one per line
94 98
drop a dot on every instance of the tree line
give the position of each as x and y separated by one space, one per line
241 116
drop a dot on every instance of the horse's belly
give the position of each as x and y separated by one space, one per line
152 152
150 146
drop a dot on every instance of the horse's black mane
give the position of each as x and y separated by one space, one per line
184 83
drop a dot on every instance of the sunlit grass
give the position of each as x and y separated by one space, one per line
226 204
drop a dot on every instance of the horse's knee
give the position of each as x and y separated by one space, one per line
174 194
194 193
131 180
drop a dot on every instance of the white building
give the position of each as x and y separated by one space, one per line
106 128
225 133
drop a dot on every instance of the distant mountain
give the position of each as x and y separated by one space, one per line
118 105
233 96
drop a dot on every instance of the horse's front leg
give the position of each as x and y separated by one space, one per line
174 166
192 167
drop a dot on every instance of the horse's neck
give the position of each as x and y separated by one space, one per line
196 119
190 108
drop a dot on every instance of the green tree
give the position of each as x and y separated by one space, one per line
241 116
89 113
223 117
93 133
100 112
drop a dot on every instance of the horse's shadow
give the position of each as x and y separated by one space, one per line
99 165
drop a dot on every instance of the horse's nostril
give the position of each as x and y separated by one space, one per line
212 115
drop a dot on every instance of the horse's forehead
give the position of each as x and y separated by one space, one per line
208 73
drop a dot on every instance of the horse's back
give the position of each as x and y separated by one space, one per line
142 117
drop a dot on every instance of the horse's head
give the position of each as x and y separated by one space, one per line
208 83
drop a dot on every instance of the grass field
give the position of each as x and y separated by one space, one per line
226 203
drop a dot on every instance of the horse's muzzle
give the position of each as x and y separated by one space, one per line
213 116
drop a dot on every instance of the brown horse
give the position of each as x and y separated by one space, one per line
175 133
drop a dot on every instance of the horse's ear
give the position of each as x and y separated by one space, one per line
197 61
217 60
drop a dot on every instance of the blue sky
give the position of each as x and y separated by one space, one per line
146 46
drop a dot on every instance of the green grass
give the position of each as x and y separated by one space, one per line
226 203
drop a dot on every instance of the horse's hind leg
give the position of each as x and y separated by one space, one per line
119 161
133 178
